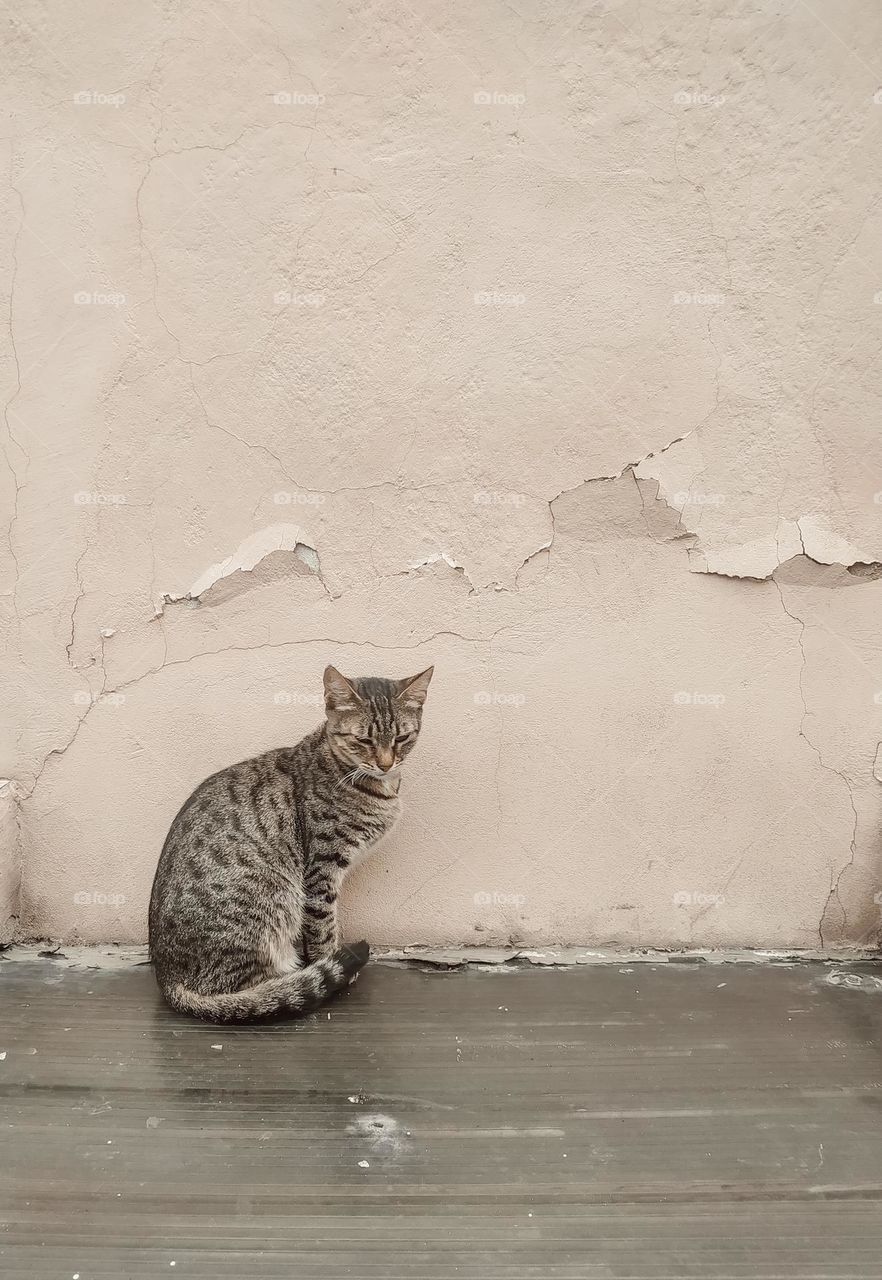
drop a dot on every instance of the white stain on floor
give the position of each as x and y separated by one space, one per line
384 1134
854 981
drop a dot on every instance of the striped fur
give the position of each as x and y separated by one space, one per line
243 912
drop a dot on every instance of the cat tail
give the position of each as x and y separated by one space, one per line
294 993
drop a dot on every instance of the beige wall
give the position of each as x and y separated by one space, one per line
538 342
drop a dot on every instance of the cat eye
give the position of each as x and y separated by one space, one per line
404 737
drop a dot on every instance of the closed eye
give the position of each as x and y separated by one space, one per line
404 737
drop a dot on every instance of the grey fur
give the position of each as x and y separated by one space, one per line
243 912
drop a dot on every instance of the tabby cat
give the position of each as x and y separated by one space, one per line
243 913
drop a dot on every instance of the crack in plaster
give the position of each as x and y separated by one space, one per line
285 644
253 446
81 720
833 894
13 441
8 926
73 613
58 751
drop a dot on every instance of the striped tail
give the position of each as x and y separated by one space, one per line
293 993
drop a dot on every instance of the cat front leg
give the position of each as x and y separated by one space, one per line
321 931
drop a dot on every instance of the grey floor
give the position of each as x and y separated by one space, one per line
618 1121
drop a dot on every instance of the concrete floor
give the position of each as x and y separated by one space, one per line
630 1121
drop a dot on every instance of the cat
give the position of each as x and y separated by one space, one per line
243 911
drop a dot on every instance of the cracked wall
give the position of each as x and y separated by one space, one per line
541 346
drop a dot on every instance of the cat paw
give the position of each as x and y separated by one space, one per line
352 957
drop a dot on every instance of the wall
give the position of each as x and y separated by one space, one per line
540 343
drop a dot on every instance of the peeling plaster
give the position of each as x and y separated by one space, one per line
720 521
441 556
251 552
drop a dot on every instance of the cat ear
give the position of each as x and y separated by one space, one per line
412 690
339 693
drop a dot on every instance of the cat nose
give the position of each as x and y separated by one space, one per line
385 758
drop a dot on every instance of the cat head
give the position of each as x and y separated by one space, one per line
373 723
